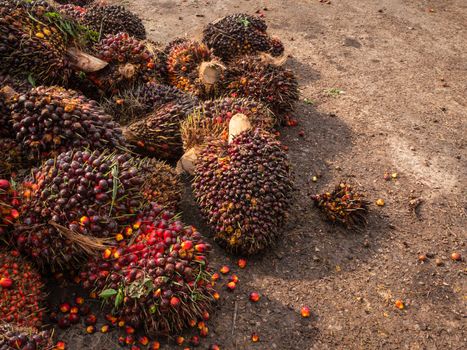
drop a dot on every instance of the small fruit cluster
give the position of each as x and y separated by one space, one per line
342 205
9 202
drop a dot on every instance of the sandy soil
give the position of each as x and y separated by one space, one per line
387 85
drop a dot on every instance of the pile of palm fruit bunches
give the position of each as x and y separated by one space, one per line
94 117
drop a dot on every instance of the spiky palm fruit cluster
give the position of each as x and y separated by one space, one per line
134 104
113 19
9 205
158 134
21 291
13 337
212 118
31 44
274 85
342 205
51 120
131 62
243 190
161 280
184 61
240 34
79 200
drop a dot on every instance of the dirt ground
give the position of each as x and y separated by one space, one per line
386 85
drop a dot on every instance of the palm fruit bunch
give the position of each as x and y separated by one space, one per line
51 120
240 34
192 68
158 134
243 189
32 45
13 337
134 104
342 205
76 203
212 118
21 291
9 205
159 281
253 77
131 62
113 19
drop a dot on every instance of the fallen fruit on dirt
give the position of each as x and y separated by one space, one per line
305 311
456 256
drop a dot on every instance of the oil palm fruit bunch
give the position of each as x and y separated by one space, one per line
342 205
192 68
13 337
21 291
9 205
264 81
163 186
212 119
134 104
32 44
161 280
7 85
158 134
113 19
76 203
51 120
130 62
240 34
243 187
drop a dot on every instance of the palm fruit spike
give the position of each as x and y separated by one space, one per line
131 62
158 134
30 44
243 188
9 205
113 19
134 104
14 337
161 280
261 80
212 118
191 67
76 202
342 205
240 34
48 121
21 291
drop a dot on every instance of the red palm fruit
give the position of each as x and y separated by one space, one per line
60 345
204 332
233 278
74 318
305 311
129 330
105 328
143 340
179 340
214 347
6 282
225 269
231 286
129 340
90 320
90 329
254 297
215 276
74 310
174 302
241 263
192 323
64 322
206 315
194 340
255 337
155 345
